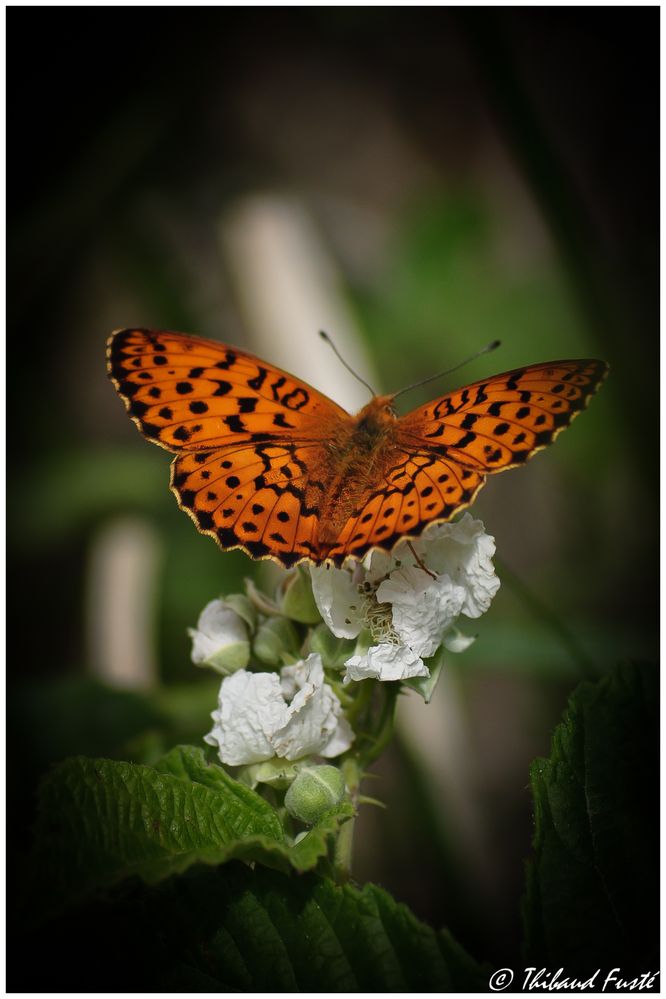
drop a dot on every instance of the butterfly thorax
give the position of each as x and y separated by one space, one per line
356 459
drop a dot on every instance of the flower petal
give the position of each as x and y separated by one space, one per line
337 597
423 607
385 662
464 551
314 725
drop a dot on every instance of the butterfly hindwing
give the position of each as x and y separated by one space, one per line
418 488
254 496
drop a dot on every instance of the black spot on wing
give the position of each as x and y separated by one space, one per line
279 420
235 424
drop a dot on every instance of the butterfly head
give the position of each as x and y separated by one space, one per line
377 414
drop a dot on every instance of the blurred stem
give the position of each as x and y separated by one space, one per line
550 619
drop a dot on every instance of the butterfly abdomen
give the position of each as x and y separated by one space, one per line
357 460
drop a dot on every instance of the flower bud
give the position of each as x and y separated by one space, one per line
315 790
297 600
220 639
276 642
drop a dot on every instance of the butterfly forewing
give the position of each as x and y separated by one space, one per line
266 463
500 422
186 393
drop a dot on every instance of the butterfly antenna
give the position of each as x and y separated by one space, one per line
335 350
484 350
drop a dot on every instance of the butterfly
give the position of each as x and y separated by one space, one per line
266 463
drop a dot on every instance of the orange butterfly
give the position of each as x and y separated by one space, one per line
267 464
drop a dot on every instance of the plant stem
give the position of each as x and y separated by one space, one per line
385 724
344 846
353 767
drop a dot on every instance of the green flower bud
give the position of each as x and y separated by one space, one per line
297 600
276 642
334 651
315 790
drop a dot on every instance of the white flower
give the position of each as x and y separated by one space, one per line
220 639
295 714
408 608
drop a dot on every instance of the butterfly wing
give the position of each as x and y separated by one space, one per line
249 438
254 445
416 488
446 448
499 423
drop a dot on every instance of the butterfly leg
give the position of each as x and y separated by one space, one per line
419 561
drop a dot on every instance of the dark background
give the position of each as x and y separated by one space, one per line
472 173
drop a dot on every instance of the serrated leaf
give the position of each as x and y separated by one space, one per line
592 886
233 929
101 821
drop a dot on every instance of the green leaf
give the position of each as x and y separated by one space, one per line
592 886
101 821
233 929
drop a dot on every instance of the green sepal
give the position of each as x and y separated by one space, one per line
334 651
244 607
228 659
425 685
297 602
276 642
259 599
277 773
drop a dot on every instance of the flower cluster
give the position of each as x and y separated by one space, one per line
389 614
